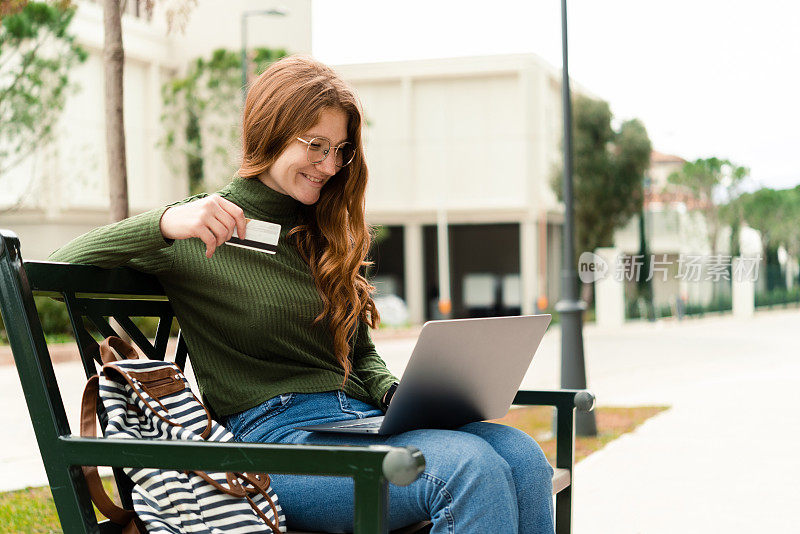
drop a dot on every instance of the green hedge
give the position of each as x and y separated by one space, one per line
778 297
721 304
775 297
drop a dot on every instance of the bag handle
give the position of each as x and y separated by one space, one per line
112 343
129 352
97 492
138 387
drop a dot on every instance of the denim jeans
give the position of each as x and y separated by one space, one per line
481 478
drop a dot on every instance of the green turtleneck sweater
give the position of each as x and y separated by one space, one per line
247 316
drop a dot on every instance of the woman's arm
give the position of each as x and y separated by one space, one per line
143 241
136 241
369 367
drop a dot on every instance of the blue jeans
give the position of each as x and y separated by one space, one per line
480 478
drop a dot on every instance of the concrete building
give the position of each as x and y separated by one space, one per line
62 190
477 141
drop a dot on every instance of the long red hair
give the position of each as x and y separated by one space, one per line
333 237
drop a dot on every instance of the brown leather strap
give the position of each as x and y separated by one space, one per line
137 385
261 480
257 487
97 492
243 485
233 489
122 347
263 517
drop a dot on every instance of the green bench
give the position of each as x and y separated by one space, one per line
93 295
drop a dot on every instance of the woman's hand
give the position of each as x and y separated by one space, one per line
211 219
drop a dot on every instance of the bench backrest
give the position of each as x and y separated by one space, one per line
92 296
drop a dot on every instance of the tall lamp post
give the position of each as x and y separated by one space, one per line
643 283
262 12
570 307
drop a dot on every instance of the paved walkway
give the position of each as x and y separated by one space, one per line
722 459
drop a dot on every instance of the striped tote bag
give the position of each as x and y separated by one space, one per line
151 399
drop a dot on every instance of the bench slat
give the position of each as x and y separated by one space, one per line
86 279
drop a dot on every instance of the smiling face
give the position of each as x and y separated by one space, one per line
292 174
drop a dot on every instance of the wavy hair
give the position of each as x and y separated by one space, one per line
332 237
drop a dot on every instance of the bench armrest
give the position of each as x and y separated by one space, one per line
565 401
399 465
581 399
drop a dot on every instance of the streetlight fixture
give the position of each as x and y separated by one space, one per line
275 12
570 307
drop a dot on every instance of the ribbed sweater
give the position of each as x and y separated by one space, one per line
247 316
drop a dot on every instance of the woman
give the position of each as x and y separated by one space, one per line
280 341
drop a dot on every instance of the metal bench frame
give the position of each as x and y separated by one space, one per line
94 294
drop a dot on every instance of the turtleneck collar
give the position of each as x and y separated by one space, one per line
263 201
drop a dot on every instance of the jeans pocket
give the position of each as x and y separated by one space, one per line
356 407
246 424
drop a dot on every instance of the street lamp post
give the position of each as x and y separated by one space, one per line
570 307
245 14
643 282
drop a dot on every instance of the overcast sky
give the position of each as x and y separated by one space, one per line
707 77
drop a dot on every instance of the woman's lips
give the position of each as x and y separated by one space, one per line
315 181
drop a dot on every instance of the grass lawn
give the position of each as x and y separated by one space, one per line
612 422
31 510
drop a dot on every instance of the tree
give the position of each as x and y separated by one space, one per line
116 158
201 115
774 213
113 63
608 168
706 178
36 54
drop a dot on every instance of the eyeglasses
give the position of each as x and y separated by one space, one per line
319 147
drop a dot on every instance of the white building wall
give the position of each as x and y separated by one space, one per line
469 143
476 135
217 24
478 138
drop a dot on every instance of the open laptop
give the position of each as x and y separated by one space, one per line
460 371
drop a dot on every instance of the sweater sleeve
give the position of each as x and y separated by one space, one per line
136 242
369 367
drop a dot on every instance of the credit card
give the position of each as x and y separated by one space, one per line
259 235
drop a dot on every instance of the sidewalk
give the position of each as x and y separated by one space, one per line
722 459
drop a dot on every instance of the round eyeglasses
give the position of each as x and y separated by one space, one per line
319 147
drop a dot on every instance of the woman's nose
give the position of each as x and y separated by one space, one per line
328 165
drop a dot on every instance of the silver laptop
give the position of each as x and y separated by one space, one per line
461 371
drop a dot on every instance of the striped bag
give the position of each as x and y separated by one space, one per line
151 399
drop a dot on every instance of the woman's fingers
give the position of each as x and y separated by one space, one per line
219 230
227 220
207 237
236 213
